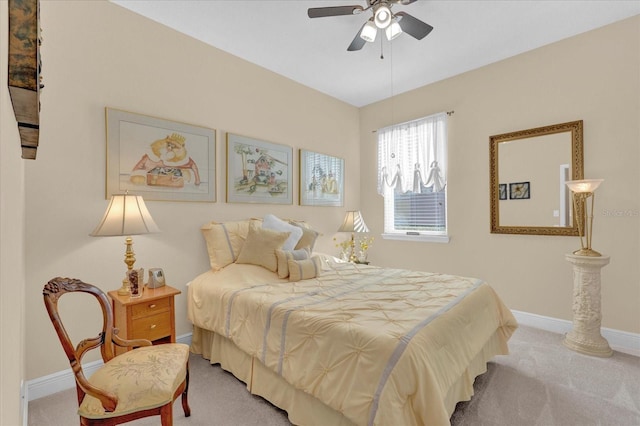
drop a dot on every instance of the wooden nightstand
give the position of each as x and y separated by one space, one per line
151 316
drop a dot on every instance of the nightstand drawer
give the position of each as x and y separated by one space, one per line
150 308
152 327
150 316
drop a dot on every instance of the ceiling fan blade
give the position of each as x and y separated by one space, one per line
321 12
405 2
358 42
413 26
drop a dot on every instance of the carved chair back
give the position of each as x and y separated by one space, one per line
52 292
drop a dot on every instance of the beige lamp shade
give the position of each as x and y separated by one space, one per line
353 222
126 215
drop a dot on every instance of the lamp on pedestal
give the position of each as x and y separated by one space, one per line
583 190
585 336
353 222
126 215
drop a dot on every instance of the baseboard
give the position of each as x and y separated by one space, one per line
24 405
63 380
621 341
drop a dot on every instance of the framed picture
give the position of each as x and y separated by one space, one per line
321 179
258 171
519 191
159 159
503 191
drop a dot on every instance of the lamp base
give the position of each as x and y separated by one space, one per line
124 290
587 252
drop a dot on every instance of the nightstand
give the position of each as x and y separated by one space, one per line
151 316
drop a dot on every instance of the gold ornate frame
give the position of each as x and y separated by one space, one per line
577 172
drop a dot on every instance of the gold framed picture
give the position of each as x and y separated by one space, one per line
321 179
159 159
258 171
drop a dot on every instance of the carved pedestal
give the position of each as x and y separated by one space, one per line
585 336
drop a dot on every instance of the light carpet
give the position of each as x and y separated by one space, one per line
541 383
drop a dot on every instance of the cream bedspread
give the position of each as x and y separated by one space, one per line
381 346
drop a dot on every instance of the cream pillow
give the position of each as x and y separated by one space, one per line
276 224
304 269
225 240
283 259
308 239
260 247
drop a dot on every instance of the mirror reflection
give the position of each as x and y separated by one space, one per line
529 169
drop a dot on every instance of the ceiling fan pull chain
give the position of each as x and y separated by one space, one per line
381 52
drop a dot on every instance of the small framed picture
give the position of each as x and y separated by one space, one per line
503 191
519 191
258 171
321 179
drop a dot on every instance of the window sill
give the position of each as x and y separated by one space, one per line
425 238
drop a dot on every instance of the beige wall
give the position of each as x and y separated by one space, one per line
12 262
97 54
593 77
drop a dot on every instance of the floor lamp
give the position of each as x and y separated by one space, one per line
585 336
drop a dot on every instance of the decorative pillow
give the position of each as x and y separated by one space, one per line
276 224
260 247
309 237
283 259
304 269
225 240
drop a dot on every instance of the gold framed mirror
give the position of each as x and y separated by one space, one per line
528 170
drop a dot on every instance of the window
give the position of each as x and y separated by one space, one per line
412 166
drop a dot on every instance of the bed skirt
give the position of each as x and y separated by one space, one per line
302 408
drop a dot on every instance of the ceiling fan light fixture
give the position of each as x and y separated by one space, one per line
393 30
382 16
369 32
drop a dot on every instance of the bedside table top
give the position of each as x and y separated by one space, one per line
148 294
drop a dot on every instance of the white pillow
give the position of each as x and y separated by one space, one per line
276 224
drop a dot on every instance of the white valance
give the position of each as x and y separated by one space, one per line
413 155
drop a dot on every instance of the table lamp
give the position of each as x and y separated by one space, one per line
583 190
126 215
353 222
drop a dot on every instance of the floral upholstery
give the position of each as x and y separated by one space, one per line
143 378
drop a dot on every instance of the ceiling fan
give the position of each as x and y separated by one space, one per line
383 18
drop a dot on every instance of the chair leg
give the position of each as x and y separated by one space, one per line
166 414
185 395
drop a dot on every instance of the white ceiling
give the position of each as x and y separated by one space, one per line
278 35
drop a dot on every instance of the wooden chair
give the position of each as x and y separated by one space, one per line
139 383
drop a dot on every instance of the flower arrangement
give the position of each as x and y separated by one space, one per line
348 247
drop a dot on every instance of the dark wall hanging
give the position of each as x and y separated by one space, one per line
24 71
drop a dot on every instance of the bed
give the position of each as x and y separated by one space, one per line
336 343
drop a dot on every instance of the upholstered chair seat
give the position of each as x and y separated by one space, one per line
142 379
